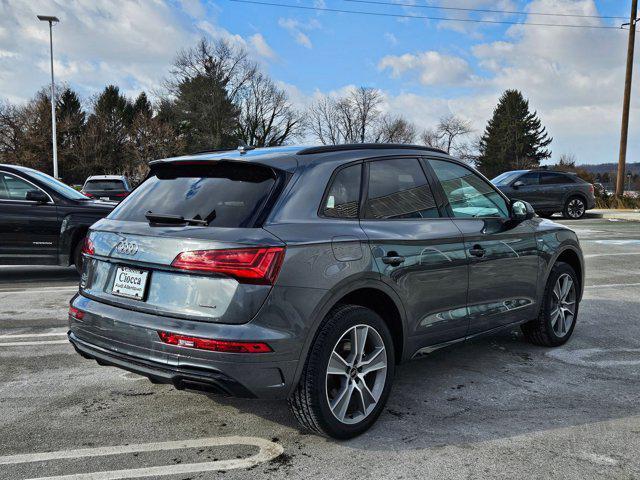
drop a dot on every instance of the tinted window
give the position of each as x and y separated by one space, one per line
549 178
224 194
530 178
398 189
104 185
468 194
14 188
505 178
343 198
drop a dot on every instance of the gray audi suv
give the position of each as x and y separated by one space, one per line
308 274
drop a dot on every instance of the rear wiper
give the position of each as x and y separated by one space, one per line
175 219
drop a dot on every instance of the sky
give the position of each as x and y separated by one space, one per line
425 68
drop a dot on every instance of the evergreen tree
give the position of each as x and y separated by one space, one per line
514 137
71 122
143 106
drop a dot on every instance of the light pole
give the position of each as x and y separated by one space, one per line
52 20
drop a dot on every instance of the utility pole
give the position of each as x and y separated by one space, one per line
622 159
52 20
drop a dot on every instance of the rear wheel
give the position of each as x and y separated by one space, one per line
348 374
559 311
77 256
574 208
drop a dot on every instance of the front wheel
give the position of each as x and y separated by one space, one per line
574 208
348 374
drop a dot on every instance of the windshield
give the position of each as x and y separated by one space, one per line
223 194
505 178
104 185
61 188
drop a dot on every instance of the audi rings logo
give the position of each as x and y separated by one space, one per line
127 248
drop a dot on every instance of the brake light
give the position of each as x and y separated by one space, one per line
591 188
213 345
87 247
75 313
87 194
121 194
248 265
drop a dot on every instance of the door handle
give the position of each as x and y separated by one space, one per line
477 251
393 259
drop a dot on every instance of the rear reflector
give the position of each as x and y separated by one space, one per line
213 345
75 313
87 247
248 265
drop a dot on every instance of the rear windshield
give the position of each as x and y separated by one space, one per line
225 194
104 185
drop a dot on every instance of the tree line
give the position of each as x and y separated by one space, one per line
215 97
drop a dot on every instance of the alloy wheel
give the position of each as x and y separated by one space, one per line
356 374
575 209
563 305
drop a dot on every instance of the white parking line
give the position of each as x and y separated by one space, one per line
57 333
268 451
622 254
21 290
27 344
613 285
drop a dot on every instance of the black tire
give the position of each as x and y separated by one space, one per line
574 208
540 331
310 401
77 256
545 214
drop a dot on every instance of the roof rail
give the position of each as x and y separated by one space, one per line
366 146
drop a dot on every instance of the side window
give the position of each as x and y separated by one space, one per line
343 198
14 187
530 178
549 178
398 188
468 194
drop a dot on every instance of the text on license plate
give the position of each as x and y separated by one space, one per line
130 282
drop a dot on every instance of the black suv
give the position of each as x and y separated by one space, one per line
42 220
548 191
307 274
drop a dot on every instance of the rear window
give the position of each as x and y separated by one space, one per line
225 194
104 185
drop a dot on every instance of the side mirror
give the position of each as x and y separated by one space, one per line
517 184
37 196
521 211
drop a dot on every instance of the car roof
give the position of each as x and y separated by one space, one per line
289 157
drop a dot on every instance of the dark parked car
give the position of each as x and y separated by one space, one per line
42 220
107 187
549 192
307 274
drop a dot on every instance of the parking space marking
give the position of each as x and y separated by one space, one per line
621 254
27 344
57 333
613 285
597 357
268 451
22 290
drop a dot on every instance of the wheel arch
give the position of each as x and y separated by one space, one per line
573 257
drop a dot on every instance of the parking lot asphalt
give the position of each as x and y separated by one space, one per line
496 407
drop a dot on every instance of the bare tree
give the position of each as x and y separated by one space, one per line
396 130
267 117
449 135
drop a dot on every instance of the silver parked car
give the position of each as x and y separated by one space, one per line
308 274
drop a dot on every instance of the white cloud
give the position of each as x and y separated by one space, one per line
261 46
390 38
433 68
296 29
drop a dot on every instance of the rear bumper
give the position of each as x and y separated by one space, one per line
181 378
129 340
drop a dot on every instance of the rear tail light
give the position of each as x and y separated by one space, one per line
87 247
75 313
247 265
121 194
591 188
87 194
213 345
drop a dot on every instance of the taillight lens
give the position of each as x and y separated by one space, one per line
87 247
247 265
591 188
75 313
121 194
87 194
213 345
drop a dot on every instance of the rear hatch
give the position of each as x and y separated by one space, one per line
108 189
187 243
